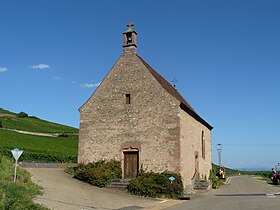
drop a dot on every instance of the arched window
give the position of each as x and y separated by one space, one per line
203 145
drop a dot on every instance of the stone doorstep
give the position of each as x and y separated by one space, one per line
120 184
201 185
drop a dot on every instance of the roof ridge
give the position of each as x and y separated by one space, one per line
166 85
172 91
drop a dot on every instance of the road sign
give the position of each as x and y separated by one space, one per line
172 178
16 153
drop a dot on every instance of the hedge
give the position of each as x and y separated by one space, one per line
157 185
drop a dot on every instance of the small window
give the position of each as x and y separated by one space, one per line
127 99
203 144
129 38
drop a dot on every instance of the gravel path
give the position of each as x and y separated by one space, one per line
62 192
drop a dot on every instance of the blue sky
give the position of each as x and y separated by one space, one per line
224 54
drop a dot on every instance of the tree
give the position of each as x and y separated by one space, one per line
22 115
1 125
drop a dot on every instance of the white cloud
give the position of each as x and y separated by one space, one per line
57 78
90 85
3 69
41 66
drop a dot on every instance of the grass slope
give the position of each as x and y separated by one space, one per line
3 111
40 148
19 195
33 124
37 148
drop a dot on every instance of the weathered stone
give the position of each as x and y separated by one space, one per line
166 134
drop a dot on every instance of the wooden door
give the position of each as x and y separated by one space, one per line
131 164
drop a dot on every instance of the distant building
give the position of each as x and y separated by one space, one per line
137 117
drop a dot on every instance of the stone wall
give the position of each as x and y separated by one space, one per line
191 146
150 123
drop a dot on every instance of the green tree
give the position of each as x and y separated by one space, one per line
22 115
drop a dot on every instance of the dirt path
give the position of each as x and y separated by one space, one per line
31 133
62 192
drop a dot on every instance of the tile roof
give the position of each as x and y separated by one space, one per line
172 91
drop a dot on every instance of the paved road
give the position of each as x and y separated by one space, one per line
62 192
242 193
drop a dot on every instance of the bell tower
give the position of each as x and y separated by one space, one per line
129 39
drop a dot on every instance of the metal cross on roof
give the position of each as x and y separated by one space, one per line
130 25
174 81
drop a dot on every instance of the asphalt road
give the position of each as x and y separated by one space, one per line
242 193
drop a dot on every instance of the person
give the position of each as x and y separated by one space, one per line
221 173
273 173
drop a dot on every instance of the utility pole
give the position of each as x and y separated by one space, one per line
219 150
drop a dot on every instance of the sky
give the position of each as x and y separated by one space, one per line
225 56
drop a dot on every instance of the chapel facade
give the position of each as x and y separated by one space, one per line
137 117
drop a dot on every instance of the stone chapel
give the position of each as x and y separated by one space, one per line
137 117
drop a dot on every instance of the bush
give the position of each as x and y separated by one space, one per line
99 173
216 182
1 124
64 135
266 174
157 185
22 115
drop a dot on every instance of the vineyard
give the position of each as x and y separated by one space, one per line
31 123
63 148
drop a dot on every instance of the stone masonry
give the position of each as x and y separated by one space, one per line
153 123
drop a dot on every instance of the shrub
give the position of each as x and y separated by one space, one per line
156 185
64 135
22 115
216 182
266 174
99 173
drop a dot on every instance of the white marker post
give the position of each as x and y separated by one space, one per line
16 153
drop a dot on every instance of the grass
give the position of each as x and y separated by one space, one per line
3 111
40 148
37 148
19 195
33 124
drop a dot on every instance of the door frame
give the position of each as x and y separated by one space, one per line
130 150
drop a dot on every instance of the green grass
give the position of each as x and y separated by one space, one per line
33 124
40 148
3 111
19 195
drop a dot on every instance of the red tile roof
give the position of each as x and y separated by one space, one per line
172 91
